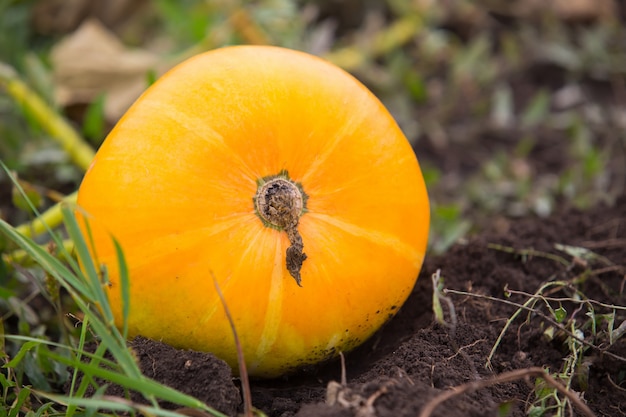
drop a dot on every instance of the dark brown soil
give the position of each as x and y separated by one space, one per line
413 359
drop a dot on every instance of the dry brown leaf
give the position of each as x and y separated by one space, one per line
92 61
64 16
584 9
569 10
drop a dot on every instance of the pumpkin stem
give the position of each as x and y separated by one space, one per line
295 256
279 203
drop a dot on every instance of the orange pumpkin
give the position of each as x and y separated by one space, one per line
278 175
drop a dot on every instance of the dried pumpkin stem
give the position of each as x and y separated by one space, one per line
295 255
280 202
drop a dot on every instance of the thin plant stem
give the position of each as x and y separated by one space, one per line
527 307
21 257
46 220
243 371
394 36
59 129
510 376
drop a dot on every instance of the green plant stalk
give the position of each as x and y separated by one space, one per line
21 257
86 288
41 224
79 151
397 34
528 305
243 370
46 220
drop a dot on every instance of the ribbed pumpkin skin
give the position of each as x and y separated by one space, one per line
174 182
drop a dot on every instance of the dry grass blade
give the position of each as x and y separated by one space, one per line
503 378
524 307
243 371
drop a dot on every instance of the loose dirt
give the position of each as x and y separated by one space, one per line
414 359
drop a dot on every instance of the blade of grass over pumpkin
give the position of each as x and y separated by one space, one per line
109 334
243 370
88 265
78 286
106 330
124 286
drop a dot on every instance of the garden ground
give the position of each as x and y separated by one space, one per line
571 264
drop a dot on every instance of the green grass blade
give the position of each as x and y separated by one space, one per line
44 259
125 286
85 259
141 384
21 399
84 295
117 404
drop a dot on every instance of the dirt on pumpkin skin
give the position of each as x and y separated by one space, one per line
413 359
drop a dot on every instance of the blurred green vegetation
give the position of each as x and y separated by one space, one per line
510 113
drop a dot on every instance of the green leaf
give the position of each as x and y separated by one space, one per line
431 175
151 77
593 163
35 372
537 110
30 197
45 410
536 411
416 86
617 333
86 261
5 293
582 253
542 390
22 396
26 347
125 287
560 314
5 383
504 409
94 121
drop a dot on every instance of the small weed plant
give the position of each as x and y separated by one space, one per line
565 315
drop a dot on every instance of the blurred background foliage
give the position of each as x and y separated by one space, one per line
512 106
